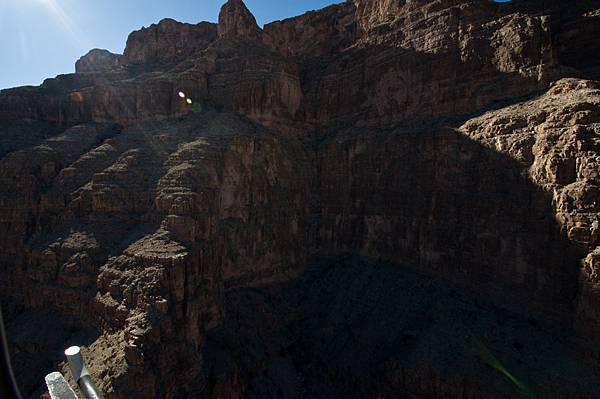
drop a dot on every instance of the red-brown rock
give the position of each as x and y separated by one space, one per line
236 21
167 43
378 199
97 60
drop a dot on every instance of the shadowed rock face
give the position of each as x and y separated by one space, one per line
236 21
378 199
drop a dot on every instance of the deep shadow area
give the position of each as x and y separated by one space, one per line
37 340
464 286
23 133
452 234
355 327
451 207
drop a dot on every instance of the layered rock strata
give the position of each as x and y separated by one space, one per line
398 198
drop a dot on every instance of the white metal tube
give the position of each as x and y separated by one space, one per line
76 363
80 373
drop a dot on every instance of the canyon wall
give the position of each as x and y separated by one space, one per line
395 197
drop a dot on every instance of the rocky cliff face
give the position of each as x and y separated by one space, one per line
377 199
236 21
166 43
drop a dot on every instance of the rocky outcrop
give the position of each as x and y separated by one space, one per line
167 43
557 142
372 200
153 195
437 59
97 60
236 21
314 34
258 83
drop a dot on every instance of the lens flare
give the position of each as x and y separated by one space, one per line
488 357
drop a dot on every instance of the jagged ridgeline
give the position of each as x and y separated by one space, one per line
379 199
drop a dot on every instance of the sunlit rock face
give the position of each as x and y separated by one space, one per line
97 60
379 199
167 43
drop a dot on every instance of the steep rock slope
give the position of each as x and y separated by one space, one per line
398 198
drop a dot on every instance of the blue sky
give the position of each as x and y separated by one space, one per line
44 38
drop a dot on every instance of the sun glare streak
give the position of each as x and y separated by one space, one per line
23 46
67 23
